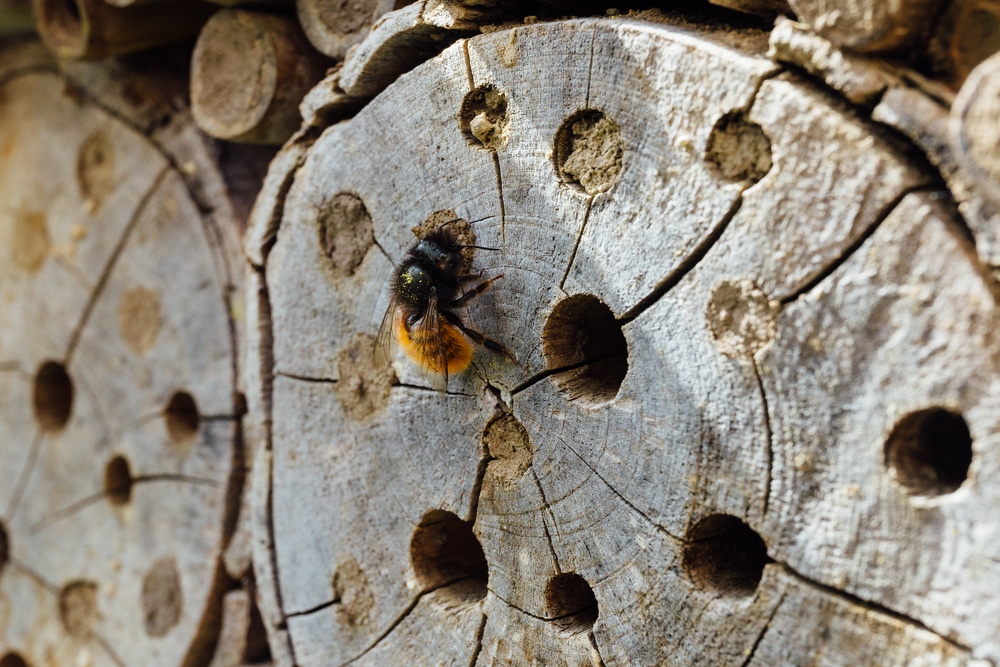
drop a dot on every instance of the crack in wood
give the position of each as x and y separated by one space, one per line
759 376
597 650
480 633
810 283
548 372
71 509
304 378
576 245
685 267
22 480
516 608
401 617
112 261
662 529
545 524
503 207
590 65
854 600
763 631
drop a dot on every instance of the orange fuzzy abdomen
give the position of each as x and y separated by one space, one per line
422 346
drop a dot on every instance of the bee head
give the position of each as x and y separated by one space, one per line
440 252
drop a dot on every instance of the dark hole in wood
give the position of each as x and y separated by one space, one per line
930 451
584 342
570 602
446 555
117 481
182 417
483 117
62 21
12 660
724 555
53 396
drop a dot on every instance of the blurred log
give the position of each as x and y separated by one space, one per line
869 25
334 27
755 413
121 466
94 29
249 71
759 7
967 33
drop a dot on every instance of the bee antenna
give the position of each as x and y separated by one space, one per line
478 247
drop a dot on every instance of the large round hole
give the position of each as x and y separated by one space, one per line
929 451
182 417
53 396
570 602
117 481
739 149
12 660
61 25
447 556
584 343
587 151
483 117
724 555
78 608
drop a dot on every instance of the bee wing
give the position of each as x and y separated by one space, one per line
385 341
427 331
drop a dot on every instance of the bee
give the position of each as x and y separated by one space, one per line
422 318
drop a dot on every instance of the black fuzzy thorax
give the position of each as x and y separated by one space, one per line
431 267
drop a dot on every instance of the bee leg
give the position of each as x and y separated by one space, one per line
466 277
474 292
479 338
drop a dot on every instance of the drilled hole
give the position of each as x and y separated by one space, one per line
53 396
570 602
182 417
739 149
583 337
724 555
345 232
588 151
12 660
117 481
61 24
162 599
930 451
4 548
78 608
446 555
483 117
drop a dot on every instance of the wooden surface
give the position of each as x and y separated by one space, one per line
120 464
745 321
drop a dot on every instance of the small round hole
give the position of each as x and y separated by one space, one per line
588 151
61 24
12 660
182 417
724 555
446 555
930 451
739 149
53 396
162 599
483 117
4 548
78 608
584 342
345 232
570 602
117 481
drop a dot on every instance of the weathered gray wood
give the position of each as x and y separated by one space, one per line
116 502
333 28
869 25
721 504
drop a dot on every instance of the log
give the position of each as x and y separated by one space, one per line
869 25
94 29
753 417
249 70
334 27
121 468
